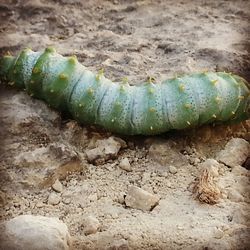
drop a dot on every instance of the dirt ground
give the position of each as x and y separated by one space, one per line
135 39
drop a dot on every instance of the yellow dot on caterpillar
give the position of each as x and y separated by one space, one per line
214 82
152 110
90 91
36 70
124 80
27 50
151 127
189 123
151 90
214 116
52 91
187 105
73 59
218 99
63 76
50 49
118 104
182 87
122 88
241 97
99 74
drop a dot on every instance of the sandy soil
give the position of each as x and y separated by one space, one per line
135 39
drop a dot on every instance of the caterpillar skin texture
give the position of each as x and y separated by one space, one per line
178 103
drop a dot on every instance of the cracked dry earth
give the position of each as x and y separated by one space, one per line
180 190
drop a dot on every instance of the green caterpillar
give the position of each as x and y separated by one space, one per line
178 103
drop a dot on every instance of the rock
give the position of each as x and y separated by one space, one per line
28 232
94 154
125 165
167 153
235 153
42 166
234 195
218 234
54 199
140 199
57 186
109 146
91 225
104 150
44 156
195 161
36 156
239 170
146 176
172 169
121 198
120 244
39 204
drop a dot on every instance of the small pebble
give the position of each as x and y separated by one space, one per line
91 225
57 186
120 244
219 234
93 154
172 169
234 195
163 174
54 199
168 184
125 165
66 201
120 198
146 177
141 199
39 204
235 153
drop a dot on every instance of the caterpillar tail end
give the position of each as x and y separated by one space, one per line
5 64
